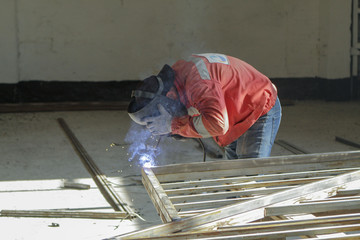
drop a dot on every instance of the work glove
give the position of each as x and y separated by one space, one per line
159 125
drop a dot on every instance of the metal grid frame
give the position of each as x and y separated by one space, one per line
297 195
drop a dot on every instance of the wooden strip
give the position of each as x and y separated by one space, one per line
158 196
313 207
62 214
245 211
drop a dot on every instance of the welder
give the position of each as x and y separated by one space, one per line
211 96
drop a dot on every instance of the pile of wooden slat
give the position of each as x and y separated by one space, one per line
300 196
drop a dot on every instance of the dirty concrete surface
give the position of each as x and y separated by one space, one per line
37 157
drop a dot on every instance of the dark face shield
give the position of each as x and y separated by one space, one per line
151 109
145 100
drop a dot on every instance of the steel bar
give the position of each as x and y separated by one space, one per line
311 208
162 202
256 166
265 227
62 214
99 178
240 179
298 233
292 148
347 142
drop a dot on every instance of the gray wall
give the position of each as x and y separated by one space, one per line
92 40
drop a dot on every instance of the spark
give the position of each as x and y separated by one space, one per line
146 160
143 146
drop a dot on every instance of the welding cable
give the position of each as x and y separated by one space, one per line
203 147
158 142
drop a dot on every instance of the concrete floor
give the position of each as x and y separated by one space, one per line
37 157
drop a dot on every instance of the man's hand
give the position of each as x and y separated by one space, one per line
159 125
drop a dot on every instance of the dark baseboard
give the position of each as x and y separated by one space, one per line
112 91
58 91
315 88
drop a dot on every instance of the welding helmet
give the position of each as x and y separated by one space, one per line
150 93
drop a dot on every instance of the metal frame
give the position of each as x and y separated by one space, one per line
99 178
122 210
205 199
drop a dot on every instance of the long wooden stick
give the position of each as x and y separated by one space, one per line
99 178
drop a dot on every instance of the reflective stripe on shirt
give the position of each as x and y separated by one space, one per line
204 74
192 111
201 67
200 128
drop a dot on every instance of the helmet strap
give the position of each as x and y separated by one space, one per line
145 94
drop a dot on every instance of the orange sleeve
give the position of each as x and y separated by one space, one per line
207 97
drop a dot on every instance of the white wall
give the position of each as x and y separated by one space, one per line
8 42
94 40
334 39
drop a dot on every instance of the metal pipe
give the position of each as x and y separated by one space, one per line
99 178
292 148
62 214
347 142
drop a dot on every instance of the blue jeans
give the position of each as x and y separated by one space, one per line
258 140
